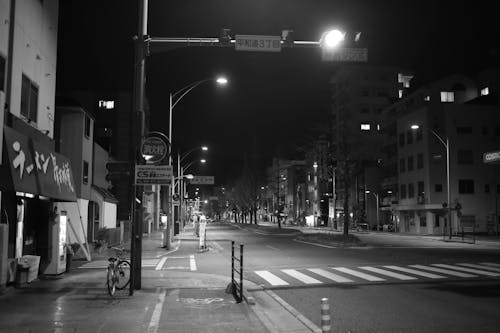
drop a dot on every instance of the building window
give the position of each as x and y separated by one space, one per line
87 126
484 130
447 96
409 136
466 186
402 165
2 73
365 127
418 133
438 188
29 99
420 161
107 105
420 188
85 178
423 221
402 192
410 163
465 156
411 190
401 139
498 188
486 188
436 220
427 98
464 129
485 91
400 93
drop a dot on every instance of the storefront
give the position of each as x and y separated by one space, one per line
33 177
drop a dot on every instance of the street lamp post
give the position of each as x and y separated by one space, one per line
377 207
446 143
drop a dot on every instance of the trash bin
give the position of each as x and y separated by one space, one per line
27 268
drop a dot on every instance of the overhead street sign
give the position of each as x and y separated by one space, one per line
491 157
257 43
203 180
345 55
153 174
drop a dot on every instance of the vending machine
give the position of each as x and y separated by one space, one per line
57 241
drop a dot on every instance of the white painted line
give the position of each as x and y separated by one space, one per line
300 276
271 278
217 246
330 275
468 270
494 269
192 262
491 264
388 273
176 267
415 272
315 244
161 263
155 318
361 275
443 271
273 248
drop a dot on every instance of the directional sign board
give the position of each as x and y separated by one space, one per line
257 43
153 174
491 157
346 55
203 180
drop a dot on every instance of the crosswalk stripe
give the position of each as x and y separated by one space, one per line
300 276
491 264
415 272
468 270
329 275
443 271
495 269
271 278
388 273
161 263
361 275
192 263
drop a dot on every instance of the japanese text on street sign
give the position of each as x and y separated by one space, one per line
153 174
203 180
490 157
346 54
257 43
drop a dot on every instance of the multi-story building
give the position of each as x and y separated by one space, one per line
359 94
457 116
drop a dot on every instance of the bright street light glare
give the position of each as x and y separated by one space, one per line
367 191
189 176
315 165
221 80
414 127
332 38
204 148
203 161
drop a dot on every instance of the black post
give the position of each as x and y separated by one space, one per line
232 262
241 272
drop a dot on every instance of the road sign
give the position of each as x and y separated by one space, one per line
203 180
154 149
257 43
345 55
153 174
491 157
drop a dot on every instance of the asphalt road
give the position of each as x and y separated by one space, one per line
394 284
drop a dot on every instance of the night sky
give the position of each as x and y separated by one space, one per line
274 102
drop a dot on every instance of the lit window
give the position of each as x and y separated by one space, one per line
378 127
427 98
400 93
485 91
108 105
447 96
365 127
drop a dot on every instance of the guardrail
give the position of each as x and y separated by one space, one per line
237 287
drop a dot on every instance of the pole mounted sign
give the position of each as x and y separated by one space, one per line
203 180
491 157
257 43
153 174
345 54
154 149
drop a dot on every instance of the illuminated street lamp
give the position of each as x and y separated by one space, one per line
332 38
446 143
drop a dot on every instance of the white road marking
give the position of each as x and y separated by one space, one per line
468 270
217 246
443 271
415 272
161 263
494 269
361 275
388 273
329 275
271 278
273 248
491 264
192 262
300 276
155 318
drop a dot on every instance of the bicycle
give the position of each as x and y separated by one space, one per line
118 272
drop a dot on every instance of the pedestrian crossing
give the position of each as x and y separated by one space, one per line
163 263
380 274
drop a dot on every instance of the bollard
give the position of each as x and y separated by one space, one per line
325 316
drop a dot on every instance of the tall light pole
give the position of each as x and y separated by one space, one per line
378 210
446 143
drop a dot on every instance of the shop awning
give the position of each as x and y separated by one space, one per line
37 169
105 194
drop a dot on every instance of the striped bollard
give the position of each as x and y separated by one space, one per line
325 316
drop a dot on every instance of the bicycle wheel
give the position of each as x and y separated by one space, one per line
111 280
123 274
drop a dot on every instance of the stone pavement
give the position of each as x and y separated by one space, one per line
169 301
